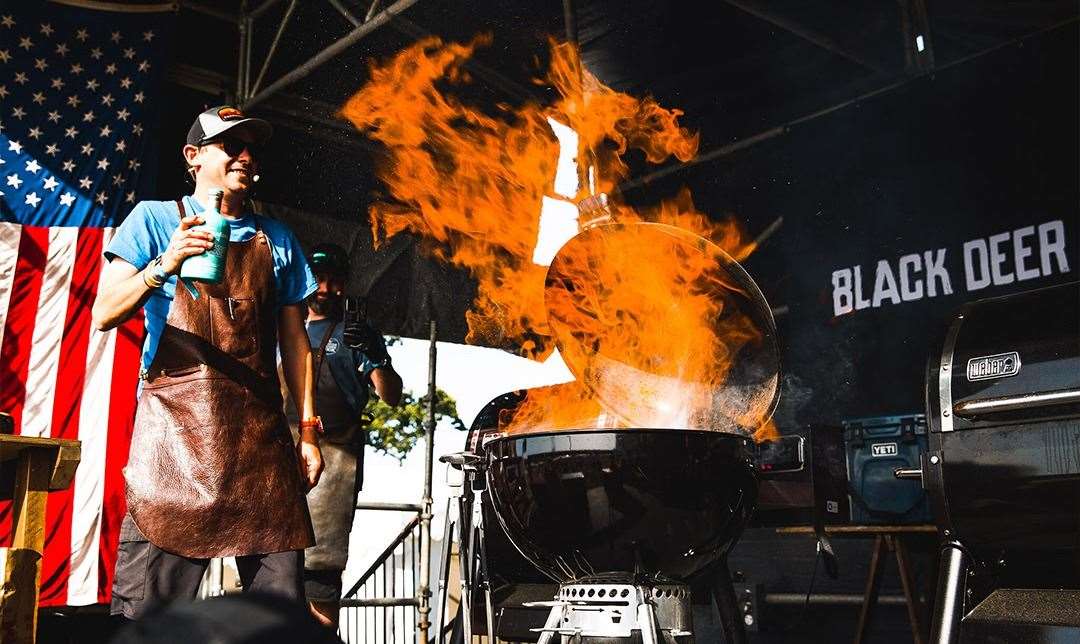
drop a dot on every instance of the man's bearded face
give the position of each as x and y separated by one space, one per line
327 299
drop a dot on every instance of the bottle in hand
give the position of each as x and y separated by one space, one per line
209 266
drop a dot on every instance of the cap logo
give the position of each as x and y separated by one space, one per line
230 114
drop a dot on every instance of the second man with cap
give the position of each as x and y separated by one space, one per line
350 360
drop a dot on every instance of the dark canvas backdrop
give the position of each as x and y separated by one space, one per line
985 147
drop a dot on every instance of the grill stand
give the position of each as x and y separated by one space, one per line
731 618
465 526
602 612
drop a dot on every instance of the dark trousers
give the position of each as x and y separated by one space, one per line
147 576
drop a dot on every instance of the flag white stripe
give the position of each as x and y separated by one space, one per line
10 234
89 484
49 331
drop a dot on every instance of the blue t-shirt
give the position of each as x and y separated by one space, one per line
146 232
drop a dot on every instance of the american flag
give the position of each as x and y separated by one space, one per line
75 122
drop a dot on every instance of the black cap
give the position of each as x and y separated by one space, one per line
329 258
217 120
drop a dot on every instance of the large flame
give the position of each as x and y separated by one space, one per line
471 184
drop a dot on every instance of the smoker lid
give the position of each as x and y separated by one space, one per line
1010 358
664 327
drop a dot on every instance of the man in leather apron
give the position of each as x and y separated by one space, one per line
349 356
212 469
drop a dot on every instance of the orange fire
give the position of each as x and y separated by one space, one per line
651 322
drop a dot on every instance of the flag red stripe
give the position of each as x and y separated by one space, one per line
122 398
19 326
18 335
70 381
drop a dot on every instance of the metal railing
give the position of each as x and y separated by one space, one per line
398 610
381 607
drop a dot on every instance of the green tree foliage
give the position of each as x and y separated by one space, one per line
396 430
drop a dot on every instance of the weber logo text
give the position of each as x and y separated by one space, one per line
1000 365
883 449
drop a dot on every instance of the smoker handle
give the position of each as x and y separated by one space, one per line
988 406
908 473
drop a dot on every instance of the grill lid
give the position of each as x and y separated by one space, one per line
664 327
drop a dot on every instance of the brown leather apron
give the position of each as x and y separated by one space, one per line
212 470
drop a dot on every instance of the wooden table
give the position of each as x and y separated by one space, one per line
893 537
29 469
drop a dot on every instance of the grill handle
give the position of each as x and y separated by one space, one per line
908 473
1036 400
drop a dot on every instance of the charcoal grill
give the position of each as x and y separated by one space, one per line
623 518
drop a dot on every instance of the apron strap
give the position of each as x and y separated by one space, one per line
322 353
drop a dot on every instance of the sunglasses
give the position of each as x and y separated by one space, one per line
234 146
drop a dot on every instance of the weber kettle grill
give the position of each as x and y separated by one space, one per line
622 512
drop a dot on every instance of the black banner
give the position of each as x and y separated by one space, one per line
898 209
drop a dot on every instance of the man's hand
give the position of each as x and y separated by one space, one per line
186 242
359 336
310 457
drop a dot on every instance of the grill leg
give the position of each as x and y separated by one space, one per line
730 617
647 620
949 604
554 621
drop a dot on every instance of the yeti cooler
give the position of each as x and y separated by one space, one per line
875 448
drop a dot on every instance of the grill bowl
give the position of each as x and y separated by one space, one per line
656 502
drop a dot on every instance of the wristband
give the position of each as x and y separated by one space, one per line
149 280
154 276
312 423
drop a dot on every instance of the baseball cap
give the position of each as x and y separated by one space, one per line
329 258
217 120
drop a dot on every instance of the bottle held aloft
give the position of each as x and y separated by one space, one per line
209 266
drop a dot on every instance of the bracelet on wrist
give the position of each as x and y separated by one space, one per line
312 423
154 275
150 281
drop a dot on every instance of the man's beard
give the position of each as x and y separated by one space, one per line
329 306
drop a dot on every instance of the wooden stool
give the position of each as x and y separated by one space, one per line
895 539
39 465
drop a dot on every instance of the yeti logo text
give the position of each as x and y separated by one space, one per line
883 449
1001 365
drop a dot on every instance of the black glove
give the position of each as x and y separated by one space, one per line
359 336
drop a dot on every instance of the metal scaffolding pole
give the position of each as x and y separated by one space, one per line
241 71
424 592
343 10
820 40
330 52
274 45
249 22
